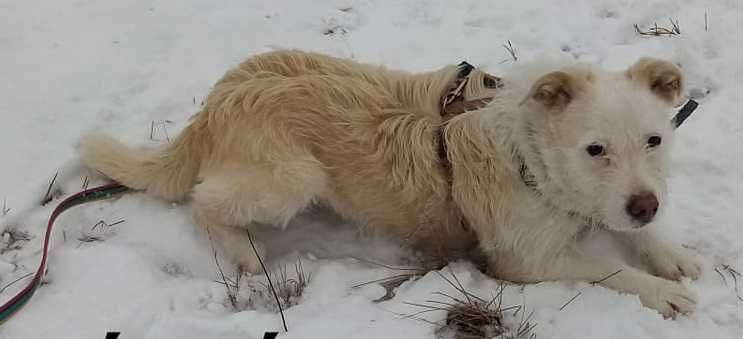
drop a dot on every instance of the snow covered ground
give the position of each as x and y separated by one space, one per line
139 68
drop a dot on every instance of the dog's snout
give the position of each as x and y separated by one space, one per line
642 207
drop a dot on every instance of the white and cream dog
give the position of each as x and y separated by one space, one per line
556 151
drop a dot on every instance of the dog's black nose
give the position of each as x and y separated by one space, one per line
642 207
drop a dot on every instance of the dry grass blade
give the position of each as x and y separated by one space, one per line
722 276
86 183
390 267
48 196
89 238
232 287
268 277
15 281
734 274
606 277
103 224
390 283
675 24
526 327
98 232
509 47
460 288
570 301
394 280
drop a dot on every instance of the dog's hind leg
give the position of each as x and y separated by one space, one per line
232 198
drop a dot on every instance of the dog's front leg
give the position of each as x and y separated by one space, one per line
666 296
665 260
547 251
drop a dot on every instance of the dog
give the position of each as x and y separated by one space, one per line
547 153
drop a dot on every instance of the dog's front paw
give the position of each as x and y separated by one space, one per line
673 264
247 260
669 298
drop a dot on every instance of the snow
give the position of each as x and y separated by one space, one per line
129 67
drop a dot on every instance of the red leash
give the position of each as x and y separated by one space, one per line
11 306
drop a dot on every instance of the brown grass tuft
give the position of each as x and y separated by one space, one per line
289 289
471 317
655 30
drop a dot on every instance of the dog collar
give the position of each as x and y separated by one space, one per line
530 182
453 104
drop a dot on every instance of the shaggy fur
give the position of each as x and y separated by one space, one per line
288 129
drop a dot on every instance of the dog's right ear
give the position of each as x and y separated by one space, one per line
663 78
554 91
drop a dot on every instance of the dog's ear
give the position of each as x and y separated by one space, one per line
554 91
663 78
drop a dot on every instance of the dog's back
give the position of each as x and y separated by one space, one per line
356 136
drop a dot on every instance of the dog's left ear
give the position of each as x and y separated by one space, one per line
663 78
554 91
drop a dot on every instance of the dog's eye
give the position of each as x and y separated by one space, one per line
654 141
595 150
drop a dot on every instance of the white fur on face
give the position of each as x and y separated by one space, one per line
619 115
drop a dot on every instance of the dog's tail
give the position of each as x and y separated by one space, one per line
168 174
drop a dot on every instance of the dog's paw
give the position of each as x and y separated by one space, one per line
248 264
670 298
673 264
247 261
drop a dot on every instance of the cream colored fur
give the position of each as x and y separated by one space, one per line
287 129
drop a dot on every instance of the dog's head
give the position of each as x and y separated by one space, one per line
600 141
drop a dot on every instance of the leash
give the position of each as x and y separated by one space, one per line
684 113
13 305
